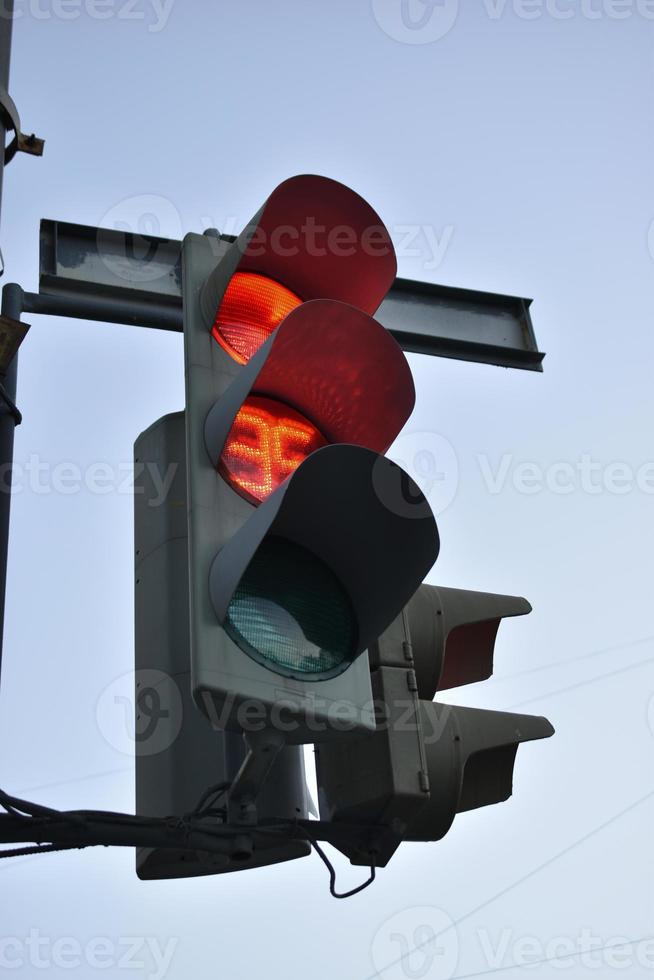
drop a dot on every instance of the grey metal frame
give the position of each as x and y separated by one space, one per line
121 277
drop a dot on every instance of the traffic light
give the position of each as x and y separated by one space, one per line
279 580
179 755
286 542
304 540
427 761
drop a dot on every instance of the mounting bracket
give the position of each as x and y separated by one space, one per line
11 120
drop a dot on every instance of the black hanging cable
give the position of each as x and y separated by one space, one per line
332 873
5 802
32 815
210 796
40 849
27 809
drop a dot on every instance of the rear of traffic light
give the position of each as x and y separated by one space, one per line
178 752
427 761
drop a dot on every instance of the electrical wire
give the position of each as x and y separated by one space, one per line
40 849
5 802
209 798
31 815
26 810
332 873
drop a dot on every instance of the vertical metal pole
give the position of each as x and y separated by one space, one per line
6 24
11 306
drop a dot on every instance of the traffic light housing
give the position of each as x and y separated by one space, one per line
427 761
304 540
179 754
291 558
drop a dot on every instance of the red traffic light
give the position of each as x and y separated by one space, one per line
343 374
312 238
267 443
252 307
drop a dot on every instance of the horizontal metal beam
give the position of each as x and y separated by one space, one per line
121 277
467 324
114 309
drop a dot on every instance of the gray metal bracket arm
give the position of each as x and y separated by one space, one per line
263 749
21 143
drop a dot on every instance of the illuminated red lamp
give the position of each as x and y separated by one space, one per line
332 375
267 443
252 307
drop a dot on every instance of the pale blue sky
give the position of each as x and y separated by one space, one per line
525 145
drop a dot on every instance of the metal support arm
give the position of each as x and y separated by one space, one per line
11 121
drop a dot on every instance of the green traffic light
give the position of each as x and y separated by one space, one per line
290 612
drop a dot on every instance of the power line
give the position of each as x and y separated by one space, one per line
584 683
553 959
517 882
574 660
